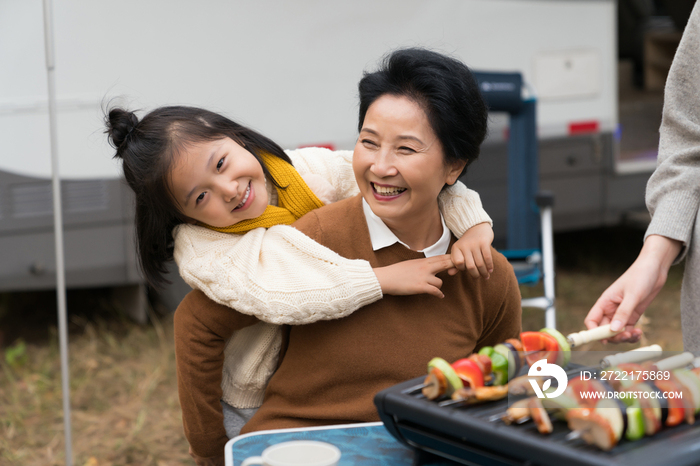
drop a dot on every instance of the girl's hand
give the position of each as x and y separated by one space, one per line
472 252
416 276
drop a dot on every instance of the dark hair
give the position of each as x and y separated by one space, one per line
148 148
444 88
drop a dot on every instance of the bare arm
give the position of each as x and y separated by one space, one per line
627 298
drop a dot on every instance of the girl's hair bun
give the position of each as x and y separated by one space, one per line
120 123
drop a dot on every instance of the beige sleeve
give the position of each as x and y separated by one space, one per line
278 275
461 208
334 166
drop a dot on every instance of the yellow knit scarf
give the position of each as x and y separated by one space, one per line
294 201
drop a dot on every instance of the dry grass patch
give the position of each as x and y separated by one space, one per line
123 397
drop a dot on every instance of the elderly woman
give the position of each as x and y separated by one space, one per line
422 120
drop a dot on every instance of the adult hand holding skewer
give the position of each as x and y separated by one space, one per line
623 303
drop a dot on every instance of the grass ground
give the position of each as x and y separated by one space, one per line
124 401
123 385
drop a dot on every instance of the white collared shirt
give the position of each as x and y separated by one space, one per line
381 236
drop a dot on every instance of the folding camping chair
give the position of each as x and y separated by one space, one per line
529 243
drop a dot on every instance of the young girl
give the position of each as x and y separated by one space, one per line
218 197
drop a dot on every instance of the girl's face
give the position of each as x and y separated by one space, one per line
399 163
218 183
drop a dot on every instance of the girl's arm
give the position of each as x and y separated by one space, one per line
279 275
461 208
282 276
464 216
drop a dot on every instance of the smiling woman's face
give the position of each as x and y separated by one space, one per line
399 163
218 183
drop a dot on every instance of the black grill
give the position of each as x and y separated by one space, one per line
465 435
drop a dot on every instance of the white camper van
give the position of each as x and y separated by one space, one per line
290 70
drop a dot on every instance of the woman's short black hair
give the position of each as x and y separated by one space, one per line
445 89
148 148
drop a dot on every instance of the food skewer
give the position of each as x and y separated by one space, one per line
521 386
444 378
604 422
505 360
555 347
599 421
636 417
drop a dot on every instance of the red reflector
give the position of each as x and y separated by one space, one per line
582 127
327 145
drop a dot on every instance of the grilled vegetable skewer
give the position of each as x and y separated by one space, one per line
442 380
650 405
559 406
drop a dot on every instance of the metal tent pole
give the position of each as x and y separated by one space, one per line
58 230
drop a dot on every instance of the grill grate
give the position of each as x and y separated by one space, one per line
465 434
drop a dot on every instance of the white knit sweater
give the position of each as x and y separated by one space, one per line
281 276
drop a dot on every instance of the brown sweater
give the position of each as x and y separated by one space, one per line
332 369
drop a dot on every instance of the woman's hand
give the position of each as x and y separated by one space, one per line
416 276
472 252
624 302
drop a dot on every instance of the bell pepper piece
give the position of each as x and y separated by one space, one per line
676 408
635 423
650 407
545 347
486 351
469 372
499 366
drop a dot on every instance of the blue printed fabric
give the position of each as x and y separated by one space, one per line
359 445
